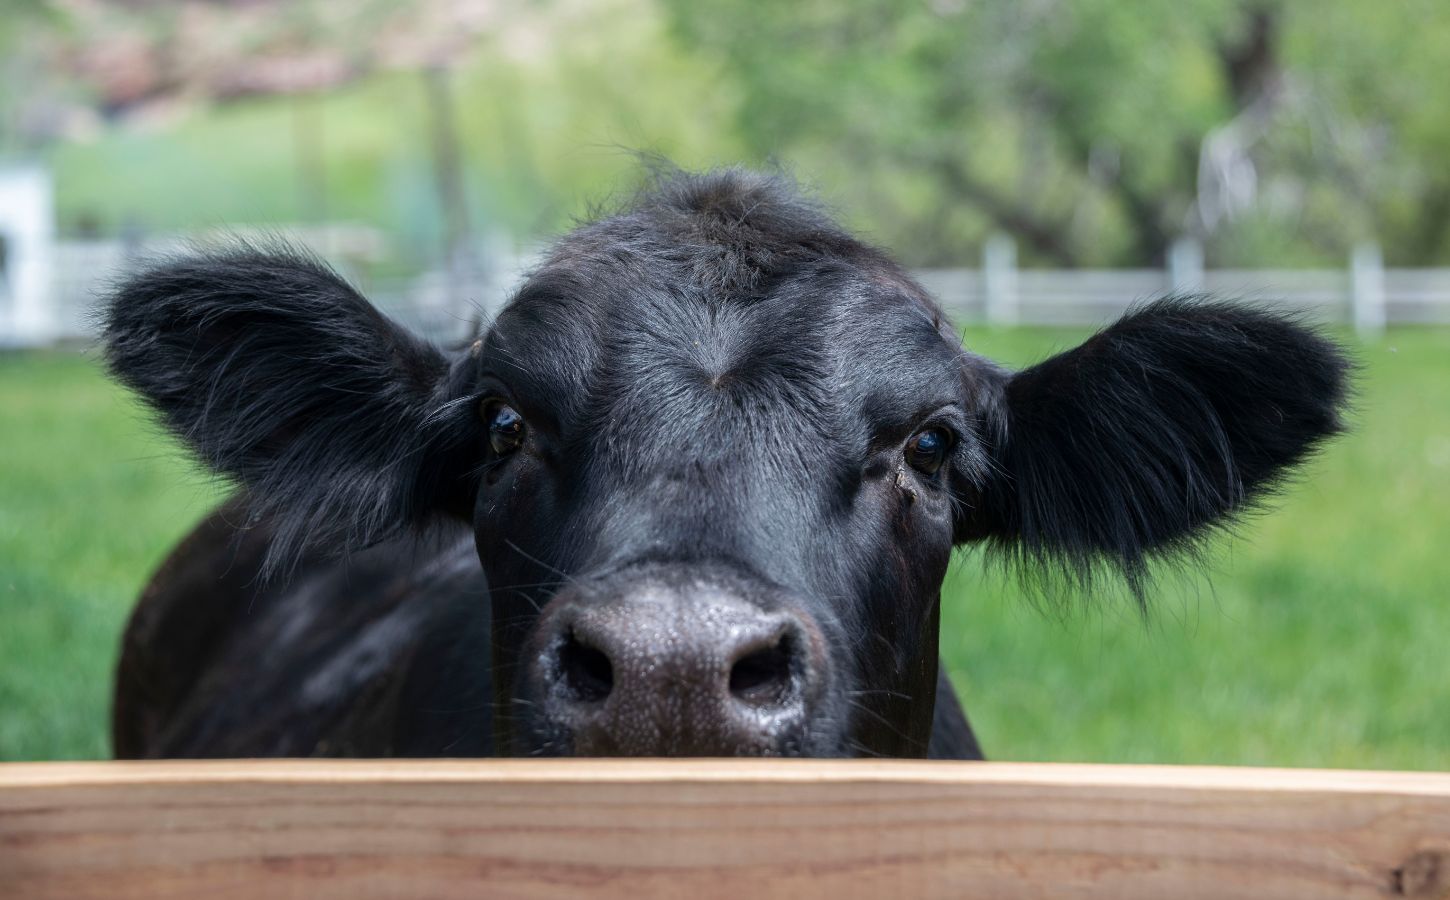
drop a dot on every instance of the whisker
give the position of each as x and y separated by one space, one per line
863 750
538 607
525 586
879 718
896 694
568 579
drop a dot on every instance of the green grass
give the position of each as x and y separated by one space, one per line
1317 640
91 498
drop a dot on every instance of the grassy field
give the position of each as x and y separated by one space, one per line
1318 640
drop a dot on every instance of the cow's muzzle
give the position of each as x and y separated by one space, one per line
655 661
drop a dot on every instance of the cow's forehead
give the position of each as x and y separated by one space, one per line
821 343
719 289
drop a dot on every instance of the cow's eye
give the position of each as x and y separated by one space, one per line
927 450
505 426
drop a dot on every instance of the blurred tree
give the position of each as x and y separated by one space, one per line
1097 131
20 69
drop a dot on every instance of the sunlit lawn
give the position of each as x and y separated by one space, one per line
90 500
1319 639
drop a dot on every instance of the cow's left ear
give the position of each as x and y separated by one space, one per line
1150 434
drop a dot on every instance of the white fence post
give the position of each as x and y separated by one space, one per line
27 224
999 279
1185 266
1367 269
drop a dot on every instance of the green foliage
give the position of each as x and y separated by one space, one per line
1315 642
1278 131
543 131
18 19
1097 131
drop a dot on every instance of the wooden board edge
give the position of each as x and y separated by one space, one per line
280 771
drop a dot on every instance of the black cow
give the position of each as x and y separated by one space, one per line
714 457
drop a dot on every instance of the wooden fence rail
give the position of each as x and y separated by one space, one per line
699 829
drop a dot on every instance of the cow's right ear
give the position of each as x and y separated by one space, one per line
341 425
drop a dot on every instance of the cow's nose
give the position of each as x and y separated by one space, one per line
660 671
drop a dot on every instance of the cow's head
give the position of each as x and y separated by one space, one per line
716 454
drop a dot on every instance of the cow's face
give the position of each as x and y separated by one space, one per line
716 455
715 517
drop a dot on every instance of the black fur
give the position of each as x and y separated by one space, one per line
1152 434
716 379
280 376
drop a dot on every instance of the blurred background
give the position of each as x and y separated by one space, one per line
1042 164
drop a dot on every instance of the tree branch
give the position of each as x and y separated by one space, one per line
1044 237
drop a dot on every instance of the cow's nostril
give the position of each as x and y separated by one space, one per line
588 674
764 676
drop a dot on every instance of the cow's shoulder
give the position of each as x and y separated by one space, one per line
219 661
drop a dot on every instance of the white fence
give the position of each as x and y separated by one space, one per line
85 271
27 236
1364 293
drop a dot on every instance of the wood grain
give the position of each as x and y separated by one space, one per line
700 829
